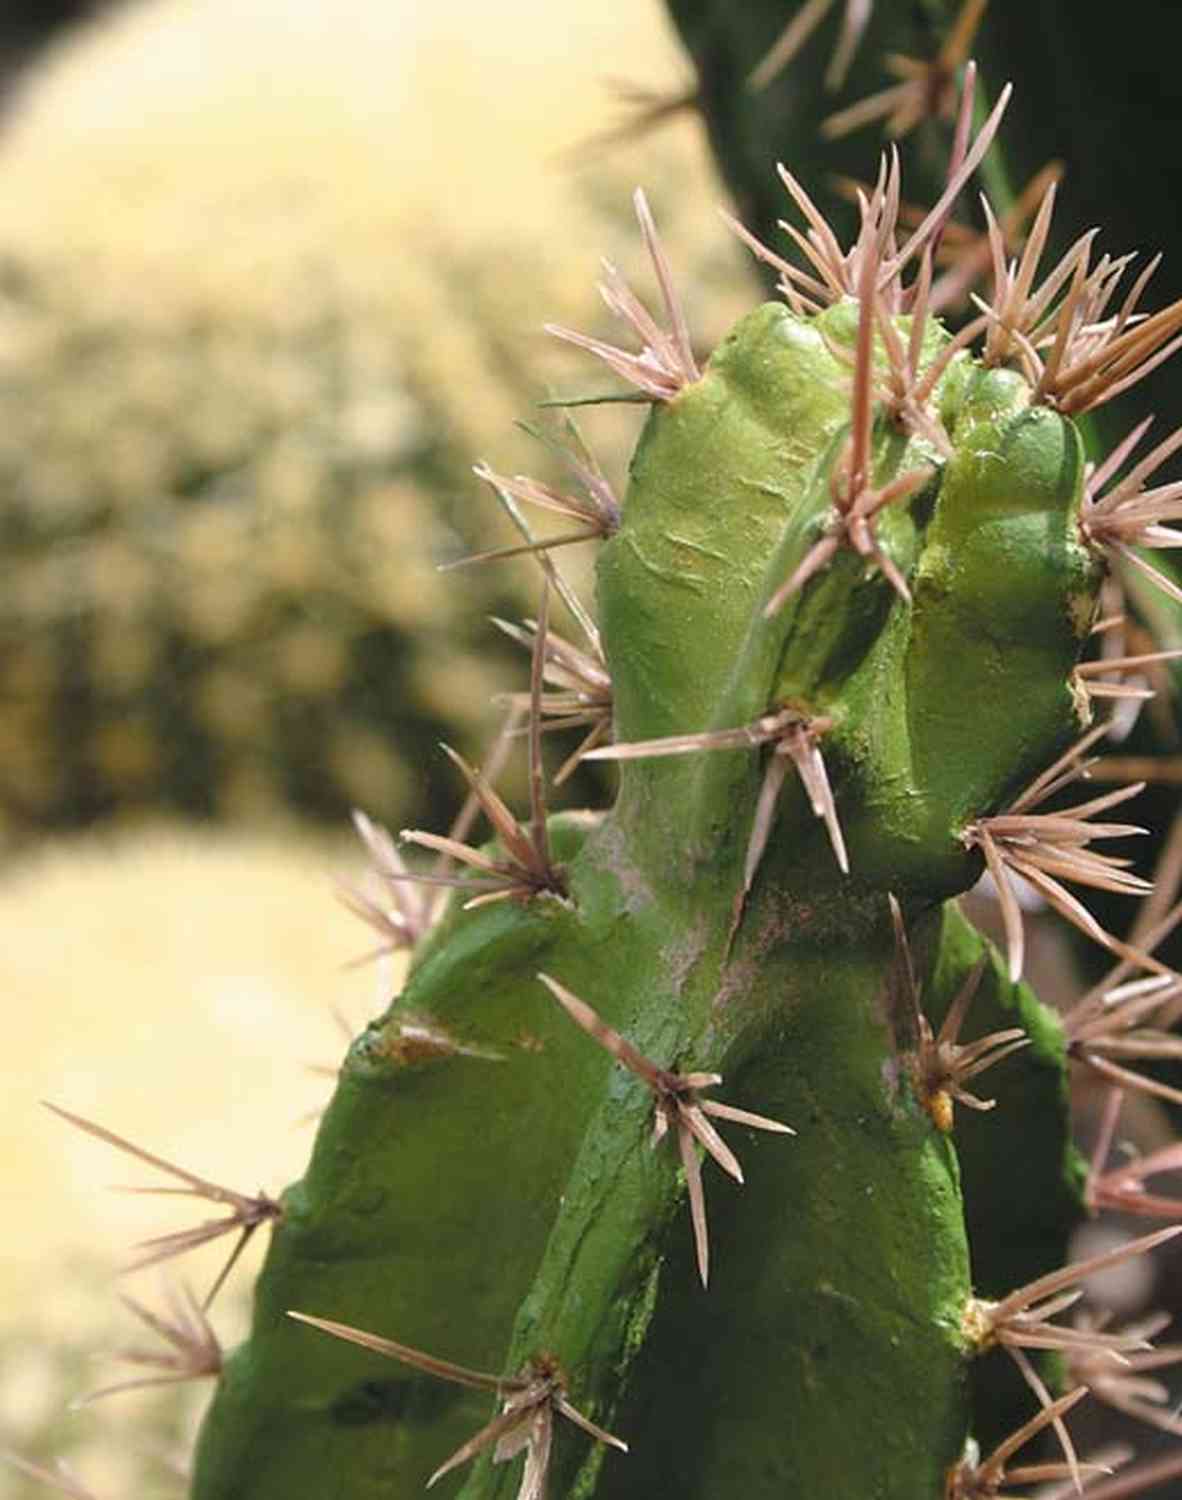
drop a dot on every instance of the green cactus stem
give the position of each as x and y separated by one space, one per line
854 573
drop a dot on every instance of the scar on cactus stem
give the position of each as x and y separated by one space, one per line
677 1106
529 1401
246 1215
940 1064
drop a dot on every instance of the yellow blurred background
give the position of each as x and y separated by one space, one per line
169 980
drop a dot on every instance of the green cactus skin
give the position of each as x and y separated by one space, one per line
1066 95
492 1210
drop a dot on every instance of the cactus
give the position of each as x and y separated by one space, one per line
845 611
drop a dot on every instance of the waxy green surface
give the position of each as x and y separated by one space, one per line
488 1210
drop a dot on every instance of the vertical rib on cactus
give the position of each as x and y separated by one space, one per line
493 1198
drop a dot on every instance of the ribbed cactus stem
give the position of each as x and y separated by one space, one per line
837 637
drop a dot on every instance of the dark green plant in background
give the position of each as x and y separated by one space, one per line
853 646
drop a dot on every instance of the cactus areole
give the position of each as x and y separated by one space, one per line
649 1133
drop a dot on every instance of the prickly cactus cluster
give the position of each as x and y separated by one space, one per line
708 1149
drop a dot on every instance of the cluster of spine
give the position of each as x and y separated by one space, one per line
851 652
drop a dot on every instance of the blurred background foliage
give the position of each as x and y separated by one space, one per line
261 307
272 277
